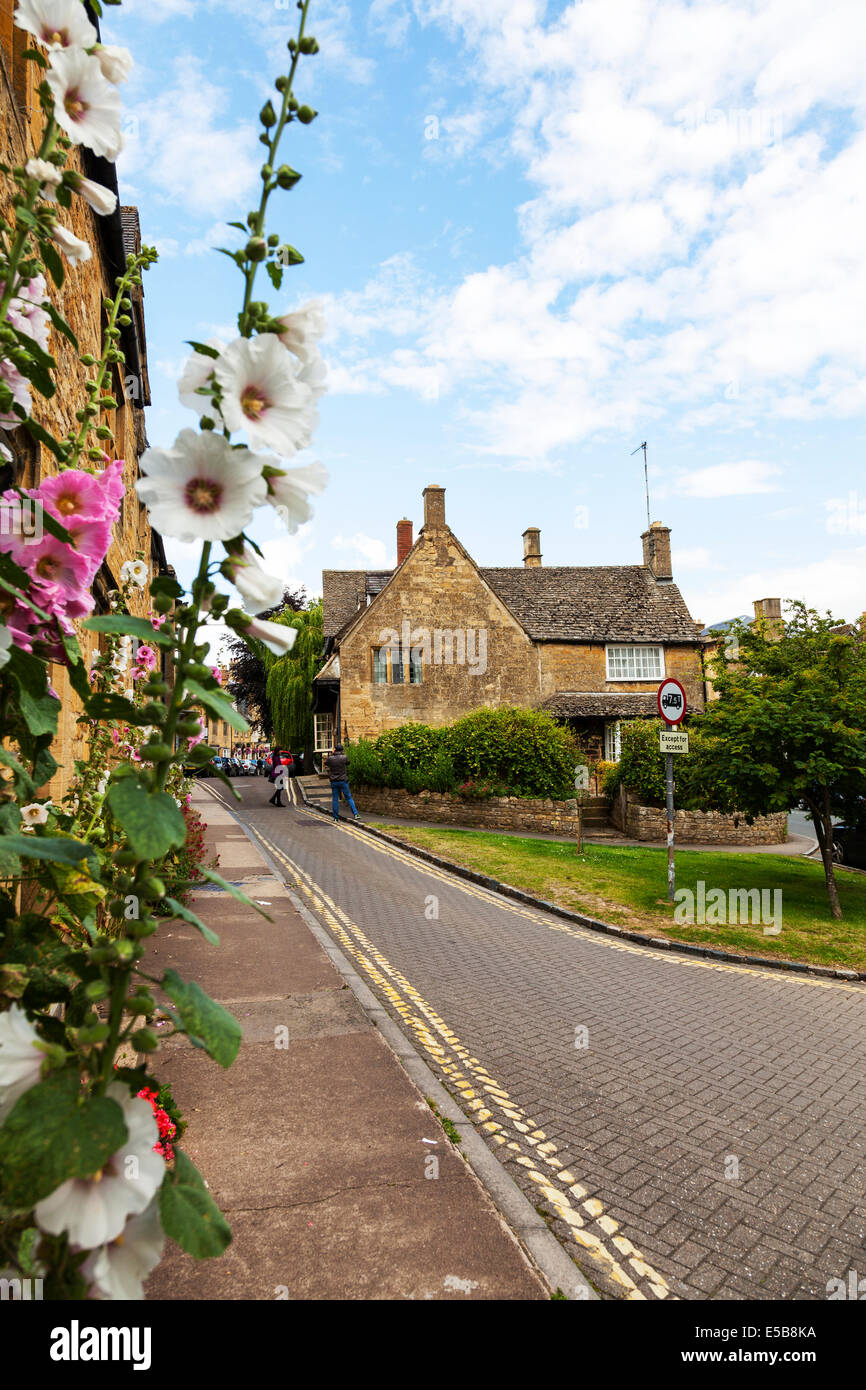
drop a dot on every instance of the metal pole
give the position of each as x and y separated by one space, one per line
669 802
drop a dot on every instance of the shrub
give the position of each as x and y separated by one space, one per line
641 767
481 790
523 750
365 765
610 780
182 866
415 745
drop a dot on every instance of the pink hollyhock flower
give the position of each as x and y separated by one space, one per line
73 494
91 538
113 486
217 674
146 657
11 377
50 561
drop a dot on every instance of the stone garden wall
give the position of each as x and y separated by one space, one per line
696 827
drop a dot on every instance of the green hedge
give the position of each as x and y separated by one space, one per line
518 752
641 767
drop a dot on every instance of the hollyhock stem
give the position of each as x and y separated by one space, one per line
282 122
185 655
10 288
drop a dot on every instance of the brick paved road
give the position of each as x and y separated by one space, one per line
692 1069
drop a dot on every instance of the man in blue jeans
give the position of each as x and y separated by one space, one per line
337 765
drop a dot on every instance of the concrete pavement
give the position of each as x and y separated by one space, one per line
336 1177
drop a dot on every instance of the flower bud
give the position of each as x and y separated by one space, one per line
268 115
256 249
306 114
287 177
308 45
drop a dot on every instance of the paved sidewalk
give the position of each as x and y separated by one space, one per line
316 1151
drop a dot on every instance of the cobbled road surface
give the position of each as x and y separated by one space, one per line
690 1129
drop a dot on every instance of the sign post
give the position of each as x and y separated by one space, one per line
671 700
581 784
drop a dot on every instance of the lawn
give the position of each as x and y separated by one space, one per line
628 887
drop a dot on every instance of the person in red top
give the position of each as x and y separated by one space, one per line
280 763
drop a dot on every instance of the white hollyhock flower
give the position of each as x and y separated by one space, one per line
93 1211
100 198
257 589
201 488
118 1270
135 570
197 372
262 395
288 492
56 23
5 641
116 63
278 638
72 246
20 1059
30 318
49 177
35 814
86 107
313 374
303 328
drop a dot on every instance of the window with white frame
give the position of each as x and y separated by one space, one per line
388 665
612 741
323 727
633 663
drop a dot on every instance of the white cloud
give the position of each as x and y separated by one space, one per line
179 148
730 479
833 582
372 550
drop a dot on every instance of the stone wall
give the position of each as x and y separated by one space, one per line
79 300
649 823
583 666
498 813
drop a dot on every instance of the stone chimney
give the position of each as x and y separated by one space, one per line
769 612
434 507
657 551
404 539
532 548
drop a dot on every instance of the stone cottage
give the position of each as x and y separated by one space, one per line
80 301
440 636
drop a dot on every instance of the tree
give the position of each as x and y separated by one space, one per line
248 673
789 726
289 692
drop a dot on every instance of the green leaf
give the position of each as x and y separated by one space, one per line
204 349
291 254
60 322
199 756
218 705
44 766
54 262
184 912
134 627
57 449
152 820
117 707
207 1024
55 1132
188 1212
54 849
213 877
23 781
275 270
39 713
164 584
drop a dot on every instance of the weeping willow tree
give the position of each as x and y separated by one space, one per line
289 687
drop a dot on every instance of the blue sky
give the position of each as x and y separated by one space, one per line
543 234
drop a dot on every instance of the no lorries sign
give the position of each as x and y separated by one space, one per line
671 700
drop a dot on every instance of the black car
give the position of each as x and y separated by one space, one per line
849 845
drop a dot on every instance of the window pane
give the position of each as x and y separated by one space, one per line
396 668
416 667
380 665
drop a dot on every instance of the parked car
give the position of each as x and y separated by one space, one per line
849 845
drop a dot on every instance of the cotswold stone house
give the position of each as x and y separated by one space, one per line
439 636
80 301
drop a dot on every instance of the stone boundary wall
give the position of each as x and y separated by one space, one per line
696 827
497 813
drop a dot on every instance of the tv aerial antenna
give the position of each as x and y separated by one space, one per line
645 478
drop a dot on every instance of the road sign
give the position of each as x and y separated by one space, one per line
671 699
673 741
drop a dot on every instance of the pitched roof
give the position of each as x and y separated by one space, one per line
589 704
599 603
344 592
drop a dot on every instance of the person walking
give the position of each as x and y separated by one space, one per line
337 765
279 776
